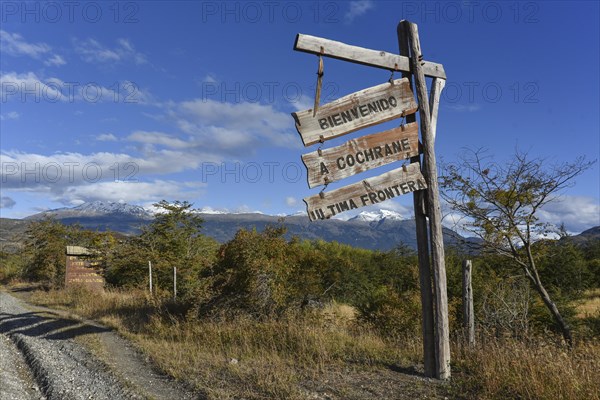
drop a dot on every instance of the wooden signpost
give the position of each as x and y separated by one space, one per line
361 154
80 268
370 107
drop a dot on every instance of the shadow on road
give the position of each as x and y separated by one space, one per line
46 325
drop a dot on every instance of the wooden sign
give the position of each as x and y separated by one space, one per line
80 268
361 154
355 54
369 191
356 111
366 108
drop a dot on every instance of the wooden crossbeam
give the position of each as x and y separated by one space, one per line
359 55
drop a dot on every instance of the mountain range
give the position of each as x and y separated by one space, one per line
377 230
381 229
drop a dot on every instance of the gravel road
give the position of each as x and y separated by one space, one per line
16 380
41 358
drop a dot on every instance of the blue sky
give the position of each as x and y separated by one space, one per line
148 100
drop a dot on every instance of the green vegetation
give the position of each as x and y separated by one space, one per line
291 311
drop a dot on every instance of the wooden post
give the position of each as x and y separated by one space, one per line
468 313
174 283
422 244
150 274
442 331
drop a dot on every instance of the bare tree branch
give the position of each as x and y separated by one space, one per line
502 203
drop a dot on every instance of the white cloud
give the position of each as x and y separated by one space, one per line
209 78
203 132
37 172
7 202
55 60
234 128
106 137
304 103
291 201
15 45
29 86
93 51
578 213
357 9
129 192
457 223
158 138
72 177
9 115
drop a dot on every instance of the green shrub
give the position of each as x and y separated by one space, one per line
391 313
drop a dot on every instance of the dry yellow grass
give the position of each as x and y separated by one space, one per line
241 358
274 359
511 369
590 306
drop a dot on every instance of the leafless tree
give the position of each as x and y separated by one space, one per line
501 203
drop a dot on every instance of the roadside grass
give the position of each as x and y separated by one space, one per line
273 359
240 358
512 369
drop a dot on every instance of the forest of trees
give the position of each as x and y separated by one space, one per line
265 275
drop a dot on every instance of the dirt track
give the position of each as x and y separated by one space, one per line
42 356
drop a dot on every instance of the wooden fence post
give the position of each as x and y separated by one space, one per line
150 274
175 283
468 313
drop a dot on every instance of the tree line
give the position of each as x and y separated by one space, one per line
521 283
266 275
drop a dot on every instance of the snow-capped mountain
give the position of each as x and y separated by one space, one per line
96 208
377 229
210 210
379 215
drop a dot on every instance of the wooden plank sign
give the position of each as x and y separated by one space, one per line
80 268
356 111
369 191
355 54
361 154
